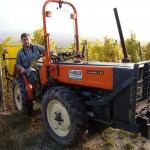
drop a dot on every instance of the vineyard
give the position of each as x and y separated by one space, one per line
21 132
105 50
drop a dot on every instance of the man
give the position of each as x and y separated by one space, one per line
26 55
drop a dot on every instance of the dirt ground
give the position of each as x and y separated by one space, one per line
28 133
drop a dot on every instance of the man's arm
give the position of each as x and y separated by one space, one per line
19 64
41 49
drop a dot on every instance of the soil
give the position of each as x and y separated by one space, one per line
21 132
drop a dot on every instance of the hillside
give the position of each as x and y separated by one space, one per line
62 39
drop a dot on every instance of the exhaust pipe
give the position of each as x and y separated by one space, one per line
125 59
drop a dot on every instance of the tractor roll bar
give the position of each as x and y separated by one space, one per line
46 35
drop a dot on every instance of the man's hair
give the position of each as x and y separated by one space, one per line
24 35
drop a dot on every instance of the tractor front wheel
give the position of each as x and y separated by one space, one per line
64 115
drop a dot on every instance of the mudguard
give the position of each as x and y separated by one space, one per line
27 87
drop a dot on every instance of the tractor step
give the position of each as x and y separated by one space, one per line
104 120
144 123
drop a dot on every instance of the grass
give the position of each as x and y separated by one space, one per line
143 147
122 134
129 145
28 133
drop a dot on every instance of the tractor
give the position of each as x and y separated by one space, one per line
74 91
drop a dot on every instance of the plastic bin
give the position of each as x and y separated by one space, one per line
11 54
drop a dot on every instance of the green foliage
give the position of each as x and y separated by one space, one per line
146 51
111 50
95 50
70 47
143 147
108 51
110 143
132 48
128 145
3 48
122 134
7 41
38 37
134 135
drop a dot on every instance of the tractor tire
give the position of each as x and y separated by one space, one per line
20 97
64 115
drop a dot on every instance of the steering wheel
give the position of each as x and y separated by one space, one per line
39 59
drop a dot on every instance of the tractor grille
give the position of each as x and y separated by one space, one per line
143 82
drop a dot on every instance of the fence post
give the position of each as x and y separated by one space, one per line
1 89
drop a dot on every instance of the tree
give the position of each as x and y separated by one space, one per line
146 51
112 51
132 47
108 51
95 51
38 37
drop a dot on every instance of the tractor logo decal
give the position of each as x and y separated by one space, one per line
75 74
95 72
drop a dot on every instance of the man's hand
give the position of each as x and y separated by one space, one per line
22 70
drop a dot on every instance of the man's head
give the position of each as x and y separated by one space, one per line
25 37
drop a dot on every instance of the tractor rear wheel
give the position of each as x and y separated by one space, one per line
20 97
64 115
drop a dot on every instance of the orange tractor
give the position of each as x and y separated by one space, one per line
74 91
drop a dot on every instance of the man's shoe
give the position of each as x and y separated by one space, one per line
38 99
37 94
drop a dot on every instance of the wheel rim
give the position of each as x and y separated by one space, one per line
58 118
18 99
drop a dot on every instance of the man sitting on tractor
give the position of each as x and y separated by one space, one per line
26 55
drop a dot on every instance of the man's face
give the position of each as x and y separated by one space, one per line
26 41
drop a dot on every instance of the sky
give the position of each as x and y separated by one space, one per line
95 17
